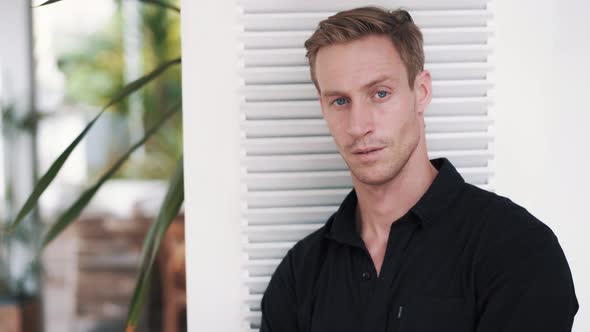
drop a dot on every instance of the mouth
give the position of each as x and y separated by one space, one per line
365 151
367 154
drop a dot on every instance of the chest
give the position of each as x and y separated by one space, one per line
403 286
376 251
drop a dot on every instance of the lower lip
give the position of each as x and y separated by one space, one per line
368 156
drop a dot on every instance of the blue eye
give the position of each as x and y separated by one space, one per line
382 94
340 101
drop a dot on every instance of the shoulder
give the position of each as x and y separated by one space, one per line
305 257
311 247
518 266
507 229
313 243
500 216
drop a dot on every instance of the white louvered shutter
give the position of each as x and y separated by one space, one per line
293 177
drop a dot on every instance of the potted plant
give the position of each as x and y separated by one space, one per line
19 281
20 308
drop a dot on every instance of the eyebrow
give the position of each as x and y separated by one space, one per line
378 80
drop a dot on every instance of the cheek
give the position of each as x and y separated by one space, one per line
335 125
331 122
396 118
340 135
391 113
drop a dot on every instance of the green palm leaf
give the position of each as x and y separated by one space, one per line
162 4
153 2
74 210
48 2
169 210
48 177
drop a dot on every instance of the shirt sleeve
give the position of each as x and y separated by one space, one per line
279 305
525 284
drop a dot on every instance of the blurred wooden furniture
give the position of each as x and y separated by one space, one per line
173 275
108 259
11 318
108 253
21 315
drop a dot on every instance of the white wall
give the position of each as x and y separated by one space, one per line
541 126
543 122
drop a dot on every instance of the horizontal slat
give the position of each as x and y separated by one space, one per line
317 127
279 92
432 36
458 71
310 109
257 284
254 318
261 268
292 215
276 244
270 250
332 179
325 144
432 53
453 124
334 162
292 198
295 6
309 20
316 214
253 300
284 128
279 232
300 74
294 163
440 89
295 198
298 180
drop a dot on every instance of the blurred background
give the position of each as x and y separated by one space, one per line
60 64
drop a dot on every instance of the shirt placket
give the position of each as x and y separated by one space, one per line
366 277
378 312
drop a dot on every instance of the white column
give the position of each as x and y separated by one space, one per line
211 148
18 90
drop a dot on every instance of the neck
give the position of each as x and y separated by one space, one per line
381 205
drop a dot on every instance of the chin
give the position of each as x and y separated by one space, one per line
373 176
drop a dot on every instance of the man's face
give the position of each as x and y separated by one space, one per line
376 120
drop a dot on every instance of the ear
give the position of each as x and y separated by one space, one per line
423 90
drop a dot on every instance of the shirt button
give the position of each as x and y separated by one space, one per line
366 275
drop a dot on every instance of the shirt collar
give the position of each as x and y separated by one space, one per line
441 193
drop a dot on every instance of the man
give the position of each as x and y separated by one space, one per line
413 247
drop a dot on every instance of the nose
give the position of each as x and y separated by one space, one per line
360 119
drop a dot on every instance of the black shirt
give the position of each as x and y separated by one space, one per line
461 259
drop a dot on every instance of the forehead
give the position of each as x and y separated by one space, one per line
351 65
